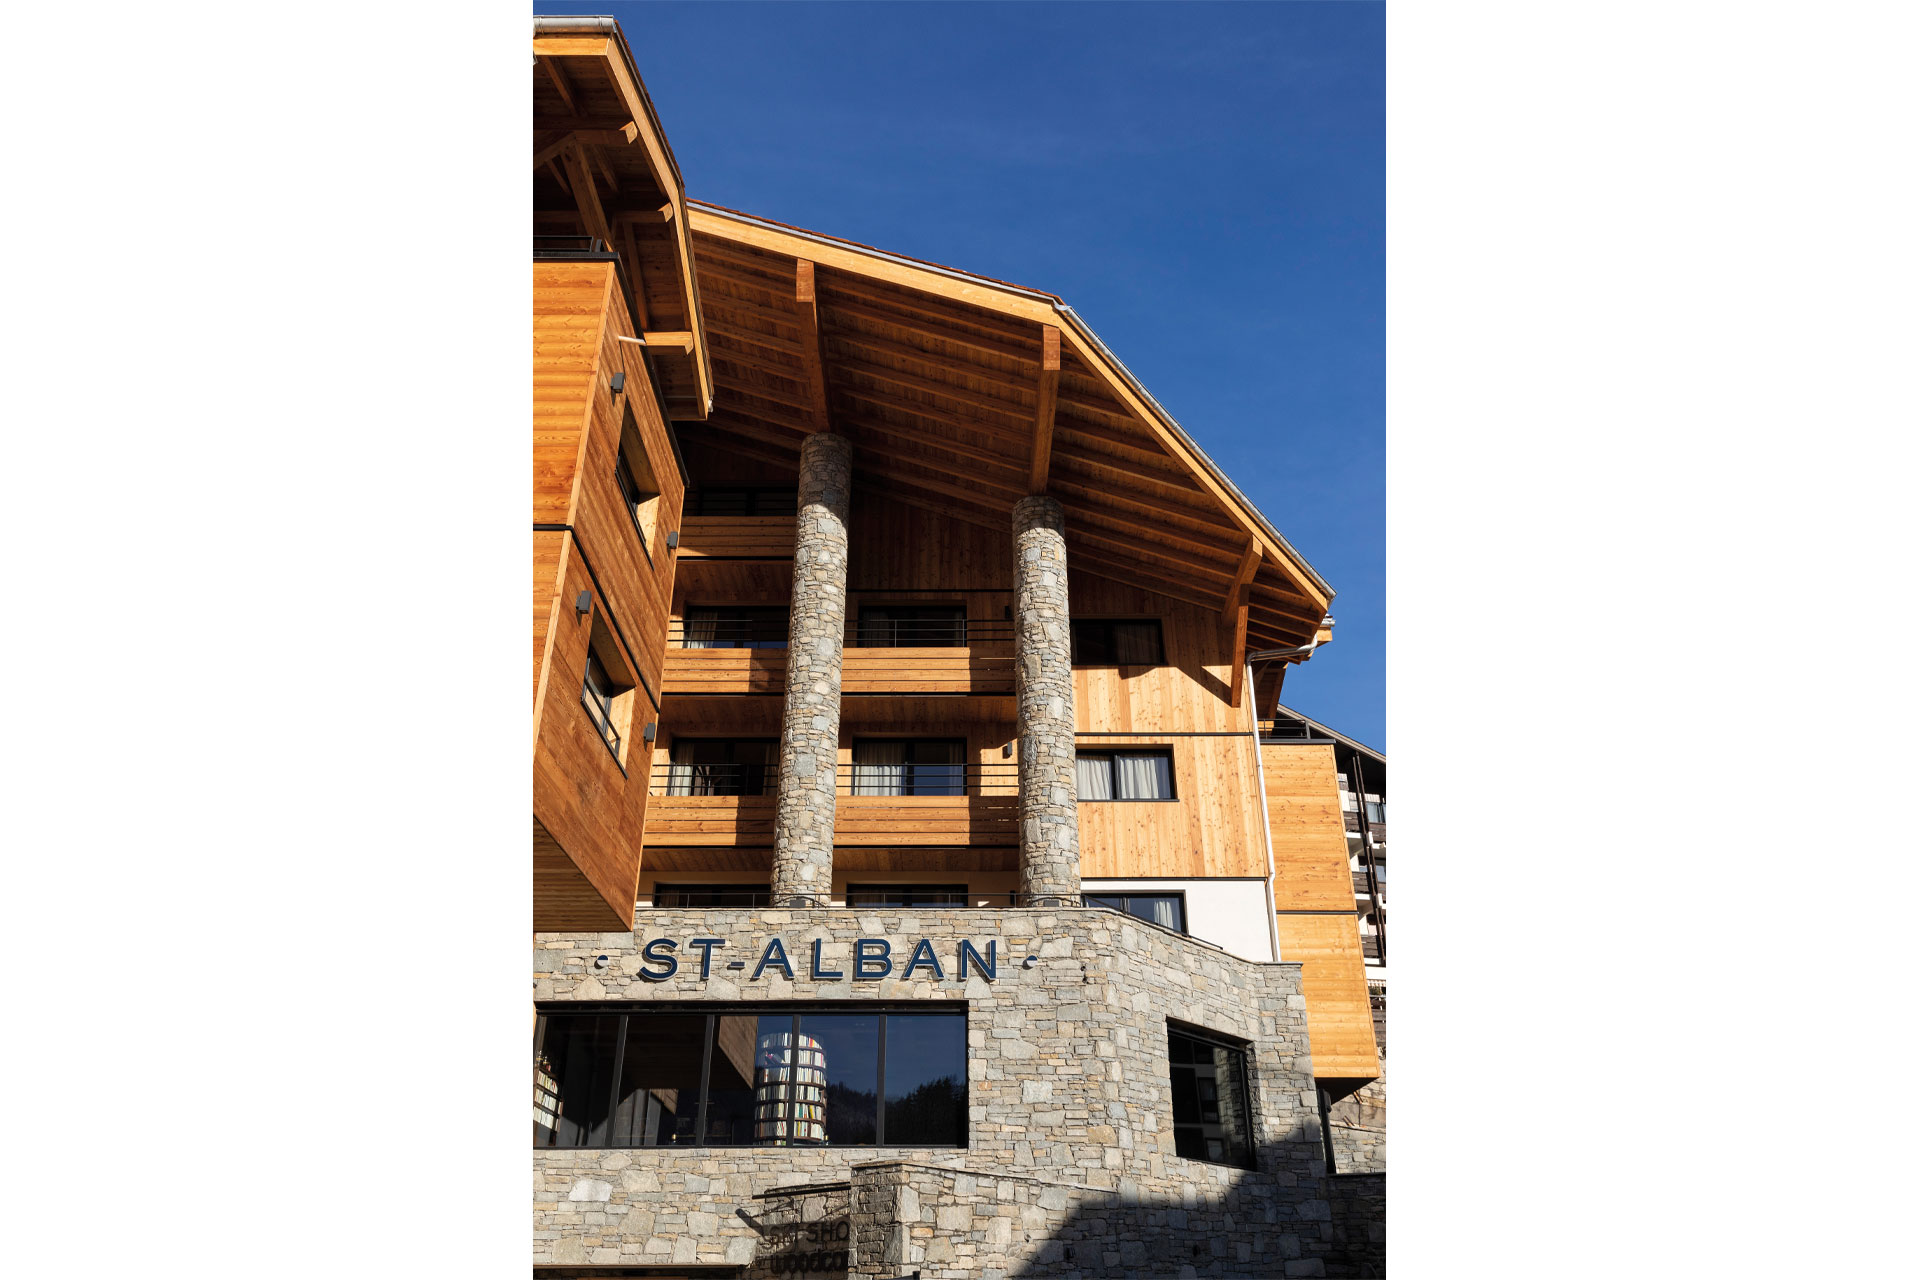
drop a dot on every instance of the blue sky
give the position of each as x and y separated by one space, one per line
1203 183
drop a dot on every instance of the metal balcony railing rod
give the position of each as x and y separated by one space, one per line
1000 778
755 897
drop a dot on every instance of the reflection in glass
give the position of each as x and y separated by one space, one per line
573 1079
843 1107
659 1094
746 1082
926 1081
1211 1120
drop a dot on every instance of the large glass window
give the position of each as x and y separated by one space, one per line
821 1076
722 766
1166 909
909 768
1117 642
907 626
735 627
743 502
1125 775
1211 1118
711 895
907 895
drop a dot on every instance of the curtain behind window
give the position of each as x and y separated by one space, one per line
879 768
700 627
1144 777
1136 643
1095 777
1165 911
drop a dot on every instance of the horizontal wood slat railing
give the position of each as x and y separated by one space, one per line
909 782
970 804
713 665
736 537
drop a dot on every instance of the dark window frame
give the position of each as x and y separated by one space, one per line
1178 895
908 779
626 1011
867 629
751 613
1078 627
599 704
768 767
634 495
1108 754
1243 1073
763 892
912 890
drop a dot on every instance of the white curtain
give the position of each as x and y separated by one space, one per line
1095 777
1144 777
1166 911
880 769
700 629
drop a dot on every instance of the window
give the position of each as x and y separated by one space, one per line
606 692
901 626
638 490
1376 811
722 767
712 895
1117 642
736 627
1167 909
910 768
1125 775
823 1076
1211 1118
744 502
907 895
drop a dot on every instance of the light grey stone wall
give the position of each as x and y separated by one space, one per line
1069 1097
1043 690
1357 1127
810 730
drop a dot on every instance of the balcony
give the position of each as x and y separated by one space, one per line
730 537
744 653
924 805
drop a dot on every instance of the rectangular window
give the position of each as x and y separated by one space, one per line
907 895
1376 811
638 490
820 1076
915 626
933 767
743 502
1168 910
1117 642
1125 775
1211 1118
735 627
606 691
722 766
711 895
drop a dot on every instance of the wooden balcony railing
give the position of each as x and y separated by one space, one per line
944 805
747 654
736 538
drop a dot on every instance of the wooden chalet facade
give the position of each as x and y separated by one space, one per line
689 558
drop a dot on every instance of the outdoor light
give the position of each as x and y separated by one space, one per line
1006 752
584 604
651 730
673 539
600 962
619 383
1029 962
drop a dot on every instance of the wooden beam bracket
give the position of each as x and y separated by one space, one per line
1048 390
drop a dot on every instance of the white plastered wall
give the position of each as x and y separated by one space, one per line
1231 914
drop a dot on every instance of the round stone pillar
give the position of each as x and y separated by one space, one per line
1043 688
810 731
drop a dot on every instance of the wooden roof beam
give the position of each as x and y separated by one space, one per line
1048 389
580 180
1240 594
811 356
561 85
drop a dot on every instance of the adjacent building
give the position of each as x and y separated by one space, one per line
919 886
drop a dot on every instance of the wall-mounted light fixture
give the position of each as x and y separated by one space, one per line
601 962
619 383
583 603
673 539
1006 752
652 730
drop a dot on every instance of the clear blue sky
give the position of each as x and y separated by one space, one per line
1203 183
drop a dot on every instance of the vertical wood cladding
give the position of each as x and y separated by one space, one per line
1313 892
589 812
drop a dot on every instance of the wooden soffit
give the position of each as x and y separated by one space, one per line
602 167
965 394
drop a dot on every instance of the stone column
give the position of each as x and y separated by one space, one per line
810 732
1043 687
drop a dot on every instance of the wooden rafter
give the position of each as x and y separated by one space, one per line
1240 593
1047 387
580 180
561 85
808 310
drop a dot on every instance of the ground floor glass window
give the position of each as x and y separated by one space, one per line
818 1076
1211 1117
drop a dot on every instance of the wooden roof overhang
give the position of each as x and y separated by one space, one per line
602 167
966 394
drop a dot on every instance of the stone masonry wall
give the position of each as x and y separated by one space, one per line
1043 691
1068 1096
1359 1246
1357 1126
810 730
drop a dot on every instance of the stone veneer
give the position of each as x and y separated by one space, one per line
1070 1167
1357 1126
1043 691
810 730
